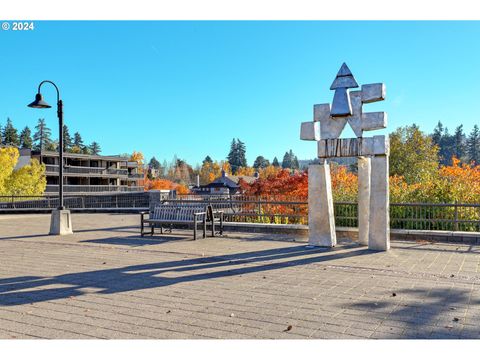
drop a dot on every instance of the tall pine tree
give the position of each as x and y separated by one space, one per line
95 148
26 141
67 139
42 137
275 162
459 143
473 146
237 155
10 134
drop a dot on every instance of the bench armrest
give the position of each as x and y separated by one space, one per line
142 215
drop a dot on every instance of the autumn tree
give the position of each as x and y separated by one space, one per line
42 135
413 154
28 180
26 141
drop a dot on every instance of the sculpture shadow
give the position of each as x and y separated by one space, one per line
21 290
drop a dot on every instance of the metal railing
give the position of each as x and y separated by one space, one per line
93 188
288 210
134 201
272 209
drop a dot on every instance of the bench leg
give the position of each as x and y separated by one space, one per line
195 229
213 227
152 229
221 224
204 228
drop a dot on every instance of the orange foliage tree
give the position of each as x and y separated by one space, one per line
164 184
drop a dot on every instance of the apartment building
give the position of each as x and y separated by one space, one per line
90 173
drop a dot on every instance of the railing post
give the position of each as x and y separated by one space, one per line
455 225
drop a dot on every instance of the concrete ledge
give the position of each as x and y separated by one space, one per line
352 233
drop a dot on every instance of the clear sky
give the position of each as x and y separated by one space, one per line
188 88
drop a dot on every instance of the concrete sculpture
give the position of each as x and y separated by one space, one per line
372 154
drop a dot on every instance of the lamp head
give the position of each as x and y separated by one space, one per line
39 103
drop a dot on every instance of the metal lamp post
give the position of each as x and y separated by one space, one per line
61 222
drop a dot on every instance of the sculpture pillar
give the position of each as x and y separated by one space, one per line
321 220
379 228
364 171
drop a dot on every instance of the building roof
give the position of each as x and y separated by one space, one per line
231 181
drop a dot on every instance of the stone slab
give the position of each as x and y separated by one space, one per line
321 220
364 176
379 226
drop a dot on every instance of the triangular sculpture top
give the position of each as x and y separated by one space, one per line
344 79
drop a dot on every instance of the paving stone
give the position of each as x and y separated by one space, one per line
104 281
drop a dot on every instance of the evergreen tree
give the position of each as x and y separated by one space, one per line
237 155
287 161
95 148
447 147
26 141
295 164
242 150
154 163
437 133
10 134
78 141
232 155
42 135
459 142
207 159
261 163
67 139
275 162
473 146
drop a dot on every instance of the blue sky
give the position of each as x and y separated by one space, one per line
188 88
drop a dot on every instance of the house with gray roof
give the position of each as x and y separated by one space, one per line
224 185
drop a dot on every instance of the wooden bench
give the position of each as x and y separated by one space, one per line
174 214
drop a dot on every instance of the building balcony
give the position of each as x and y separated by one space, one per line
81 189
86 171
135 176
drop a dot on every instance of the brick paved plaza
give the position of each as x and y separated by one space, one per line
107 282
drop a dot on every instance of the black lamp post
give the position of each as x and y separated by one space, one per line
39 103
